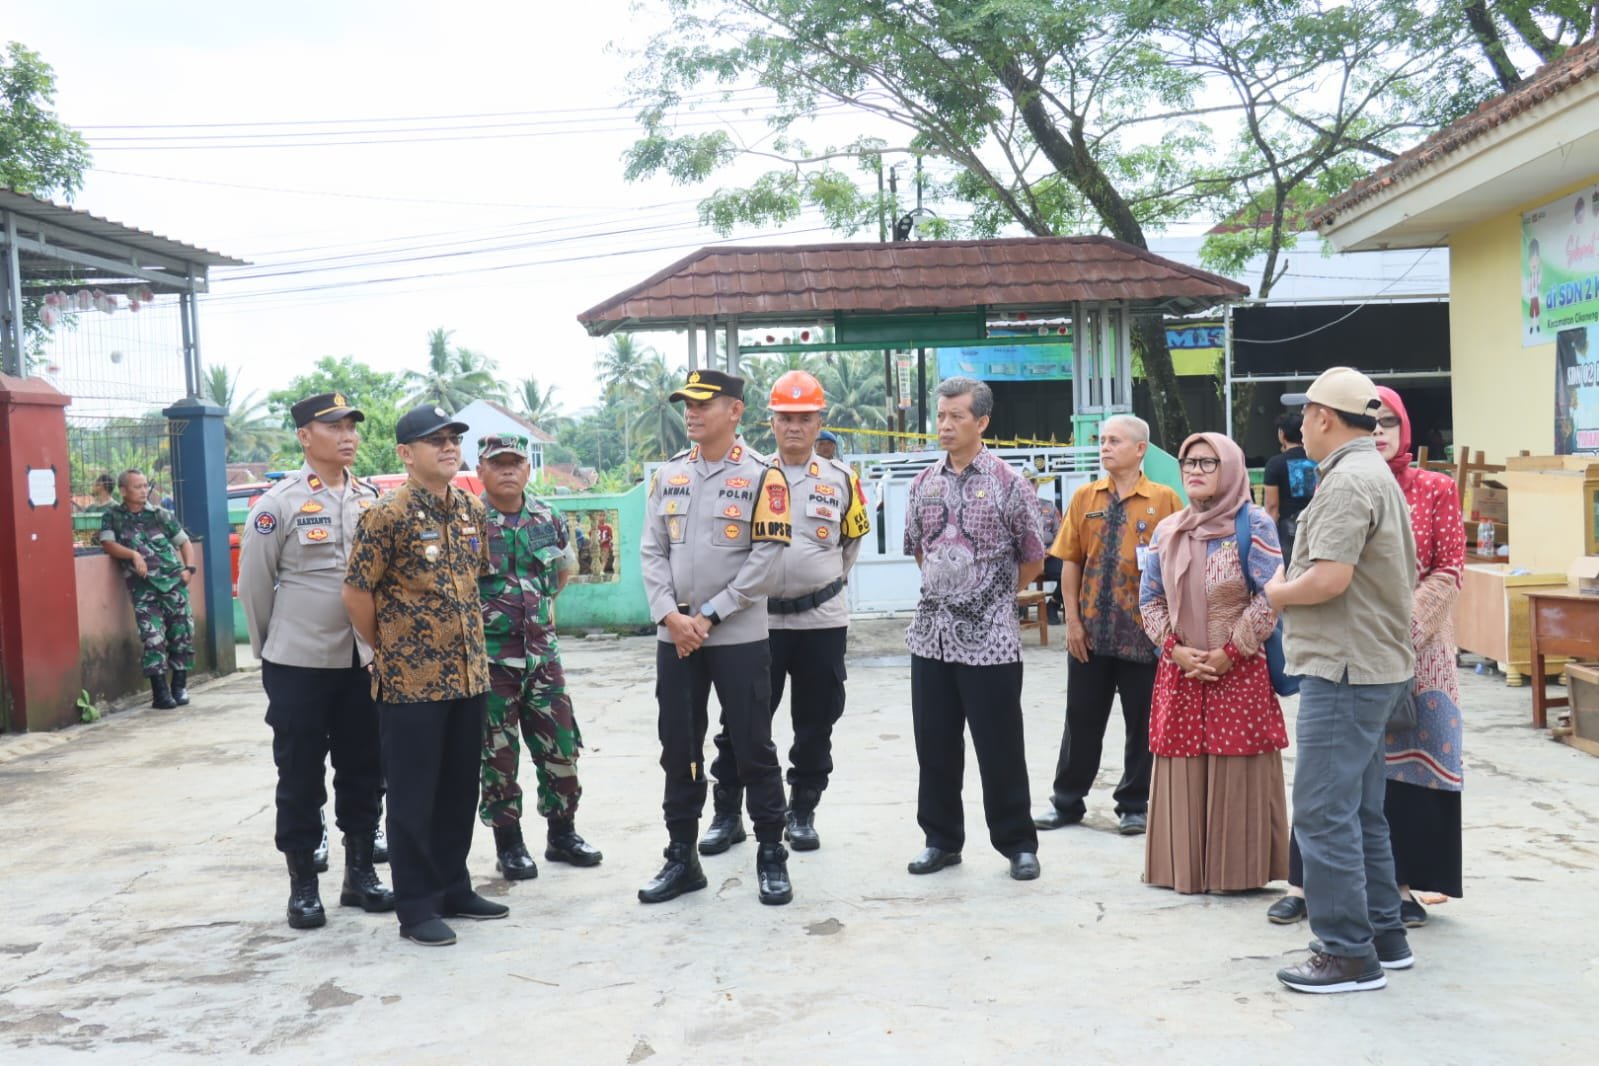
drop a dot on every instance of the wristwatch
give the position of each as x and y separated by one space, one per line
710 612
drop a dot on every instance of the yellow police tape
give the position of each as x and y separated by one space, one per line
1017 442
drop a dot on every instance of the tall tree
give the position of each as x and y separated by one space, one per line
658 431
623 364
857 397
538 404
454 376
39 154
252 435
1045 116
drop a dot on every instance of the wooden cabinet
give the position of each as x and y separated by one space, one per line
1554 509
1491 617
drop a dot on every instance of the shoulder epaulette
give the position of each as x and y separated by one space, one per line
680 454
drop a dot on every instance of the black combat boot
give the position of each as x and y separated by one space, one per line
771 869
380 844
514 863
564 845
180 687
801 829
727 824
361 885
319 857
161 696
681 874
305 905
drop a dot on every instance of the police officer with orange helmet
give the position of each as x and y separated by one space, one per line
807 613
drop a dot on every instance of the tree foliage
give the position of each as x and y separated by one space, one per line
252 435
379 395
454 376
39 154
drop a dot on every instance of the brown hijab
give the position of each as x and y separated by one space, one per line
1182 538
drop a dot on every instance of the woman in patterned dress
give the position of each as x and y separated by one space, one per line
1218 811
1424 764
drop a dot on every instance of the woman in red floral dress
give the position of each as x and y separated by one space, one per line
1218 811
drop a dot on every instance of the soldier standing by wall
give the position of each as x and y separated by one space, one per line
411 592
313 665
716 519
808 614
527 688
157 564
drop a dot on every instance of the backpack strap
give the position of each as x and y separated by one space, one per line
1244 537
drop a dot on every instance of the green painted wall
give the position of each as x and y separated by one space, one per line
614 604
1161 466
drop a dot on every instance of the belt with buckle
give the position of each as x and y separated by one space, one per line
809 601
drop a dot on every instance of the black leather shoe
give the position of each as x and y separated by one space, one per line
1024 866
1286 911
564 845
1133 823
320 855
361 885
305 904
725 831
161 696
432 933
475 907
771 870
1055 818
801 827
180 687
681 874
513 860
931 860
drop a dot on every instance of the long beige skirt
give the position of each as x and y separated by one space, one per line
1217 823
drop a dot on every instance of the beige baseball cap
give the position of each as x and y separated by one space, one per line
1340 388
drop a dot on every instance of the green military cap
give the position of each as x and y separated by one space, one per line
502 444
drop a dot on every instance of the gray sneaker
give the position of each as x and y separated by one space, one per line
1132 824
1322 974
1393 950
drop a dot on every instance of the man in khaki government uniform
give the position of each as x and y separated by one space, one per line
716 519
808 613
313 665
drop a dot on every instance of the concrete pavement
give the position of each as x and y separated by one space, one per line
144 915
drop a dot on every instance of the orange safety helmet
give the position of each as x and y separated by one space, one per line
797 391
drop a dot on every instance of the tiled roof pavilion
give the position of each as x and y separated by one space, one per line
761 285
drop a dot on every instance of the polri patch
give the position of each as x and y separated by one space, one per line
266 523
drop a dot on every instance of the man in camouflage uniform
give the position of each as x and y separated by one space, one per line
157 563
527 689
411 593
716 520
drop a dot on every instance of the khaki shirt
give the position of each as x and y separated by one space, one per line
1358 516
830 519
421 558
713 531
292 555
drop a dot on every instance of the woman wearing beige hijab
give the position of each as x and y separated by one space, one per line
1218 812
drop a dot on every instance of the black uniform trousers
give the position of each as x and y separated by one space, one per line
1090 689
315 713
946 698
741 675
432 753
814 658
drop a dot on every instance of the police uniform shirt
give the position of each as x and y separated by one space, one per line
292 558
712 533
829 521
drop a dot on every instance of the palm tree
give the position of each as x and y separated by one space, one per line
655 418
454 378
252 435
538 404
623 364
856 397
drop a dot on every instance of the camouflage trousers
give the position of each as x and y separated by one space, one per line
534 704
166 629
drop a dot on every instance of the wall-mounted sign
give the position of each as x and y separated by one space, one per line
1559 267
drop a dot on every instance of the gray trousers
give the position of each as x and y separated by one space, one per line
1338 817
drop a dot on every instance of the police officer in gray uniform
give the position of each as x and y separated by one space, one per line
716 520
295 545
808 613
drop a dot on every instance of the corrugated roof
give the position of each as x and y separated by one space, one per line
1578 64
772 284
103 229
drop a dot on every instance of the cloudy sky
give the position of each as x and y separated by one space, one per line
266 132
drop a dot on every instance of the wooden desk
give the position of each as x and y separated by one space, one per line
1561 623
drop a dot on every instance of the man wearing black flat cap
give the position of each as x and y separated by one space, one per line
313 664
412 593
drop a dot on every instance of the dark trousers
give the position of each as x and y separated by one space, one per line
1090 689
946 698
431 755
741 675
814 658
315 713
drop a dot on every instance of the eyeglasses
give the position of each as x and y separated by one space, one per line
1389 421
1204 466
440 440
